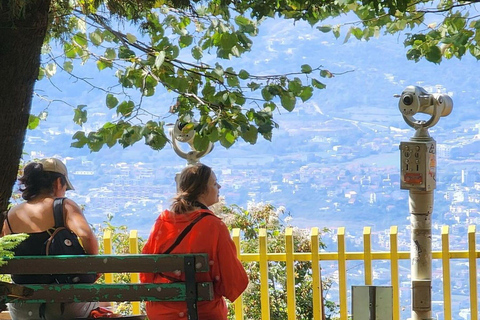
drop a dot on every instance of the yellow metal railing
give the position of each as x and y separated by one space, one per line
341 257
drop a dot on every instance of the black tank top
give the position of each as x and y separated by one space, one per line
34 245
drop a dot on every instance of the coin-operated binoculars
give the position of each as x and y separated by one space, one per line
418 173
183 134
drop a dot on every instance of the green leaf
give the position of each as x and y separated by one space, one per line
125 53
102 64
349 33
317 84
295 86
250 135
130 136
80 39
306 93
111 101
69 50
81 140
41 73
233 81
266 94
154 135
131 38
33 122
242 21
185 41
188 127
96 37
227 138
253 86
110 54
156 141
326 74
243 74
95 141
325 28
197 53
336 31
434 54
80 115
125 108
200 143
68 66
214 135
288 101
306 68
357 32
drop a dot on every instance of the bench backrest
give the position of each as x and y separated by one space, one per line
187 264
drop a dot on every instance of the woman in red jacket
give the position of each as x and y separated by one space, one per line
198 189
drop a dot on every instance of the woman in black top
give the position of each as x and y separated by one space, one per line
41 183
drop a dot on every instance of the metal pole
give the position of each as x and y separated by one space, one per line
419 171
419 156
418 162
421 207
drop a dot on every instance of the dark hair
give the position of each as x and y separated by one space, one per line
193 182
36 181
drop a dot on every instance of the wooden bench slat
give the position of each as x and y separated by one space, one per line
101 264
113 292
188 264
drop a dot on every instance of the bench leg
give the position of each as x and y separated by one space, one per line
191 287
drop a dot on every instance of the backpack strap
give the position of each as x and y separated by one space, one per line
179 239
185 232
58 212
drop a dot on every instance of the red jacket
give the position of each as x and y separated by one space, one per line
209 235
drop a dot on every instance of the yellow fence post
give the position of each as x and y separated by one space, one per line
134 277
394 271
394 255
472 268
447 303
316 276
238 304
265 298
107 249
367 255
342 273
291 304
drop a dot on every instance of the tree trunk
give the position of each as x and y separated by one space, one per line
21 39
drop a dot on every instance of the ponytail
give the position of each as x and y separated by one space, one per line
36 181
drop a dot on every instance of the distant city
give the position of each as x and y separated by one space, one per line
333 163
345 173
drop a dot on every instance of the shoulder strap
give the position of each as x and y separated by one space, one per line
58 212
185 232
8 223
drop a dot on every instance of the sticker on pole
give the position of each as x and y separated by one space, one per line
413 178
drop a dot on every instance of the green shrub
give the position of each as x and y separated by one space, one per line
249 221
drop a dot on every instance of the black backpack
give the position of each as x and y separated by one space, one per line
65 242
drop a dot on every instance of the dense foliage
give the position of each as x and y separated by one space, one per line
184 47
8 243
163 46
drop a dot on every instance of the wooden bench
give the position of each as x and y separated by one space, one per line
188 264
